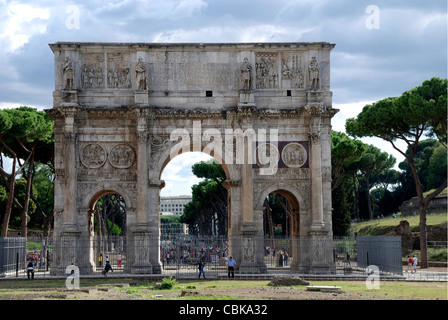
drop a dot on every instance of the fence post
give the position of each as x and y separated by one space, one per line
17 265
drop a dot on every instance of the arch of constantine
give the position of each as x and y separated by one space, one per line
122 111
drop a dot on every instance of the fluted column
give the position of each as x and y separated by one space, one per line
316 174
142 175
69 138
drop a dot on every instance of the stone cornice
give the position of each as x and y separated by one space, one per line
190 46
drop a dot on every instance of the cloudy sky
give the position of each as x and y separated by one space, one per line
382 47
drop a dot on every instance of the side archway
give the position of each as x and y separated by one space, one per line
105 244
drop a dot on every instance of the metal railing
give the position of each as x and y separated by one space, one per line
179 255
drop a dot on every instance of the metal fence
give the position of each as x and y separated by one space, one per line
12 255
179 255
383 252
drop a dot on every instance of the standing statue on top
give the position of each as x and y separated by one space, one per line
314 74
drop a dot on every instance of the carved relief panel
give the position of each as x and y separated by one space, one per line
294 155
94 157
290 154
92 71
267 74
118 72
122 156
293 75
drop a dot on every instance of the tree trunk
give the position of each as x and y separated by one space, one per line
423 236
29 185
356 197
5 222
369 201
422 206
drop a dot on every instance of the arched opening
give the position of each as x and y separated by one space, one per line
195 190
280 215
195 198
107 230
281 222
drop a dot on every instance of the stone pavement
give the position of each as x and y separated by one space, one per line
428 274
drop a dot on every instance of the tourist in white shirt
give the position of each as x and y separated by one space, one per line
231 267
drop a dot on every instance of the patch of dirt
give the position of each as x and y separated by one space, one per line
279 293
262 293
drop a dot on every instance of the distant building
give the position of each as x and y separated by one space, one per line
173 205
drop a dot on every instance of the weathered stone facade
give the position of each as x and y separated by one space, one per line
120 110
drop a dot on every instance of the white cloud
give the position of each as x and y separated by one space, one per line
178 176
346 110
9 105
20 23
255 33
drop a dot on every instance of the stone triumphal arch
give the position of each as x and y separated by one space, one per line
123 110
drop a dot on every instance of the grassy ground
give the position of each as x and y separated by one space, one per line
128 289
383 226
378 226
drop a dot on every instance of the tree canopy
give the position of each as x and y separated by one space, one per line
206 213
419 112
26 137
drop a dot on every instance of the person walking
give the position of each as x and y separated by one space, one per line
107 268
414 263
201 268
231 267
410 262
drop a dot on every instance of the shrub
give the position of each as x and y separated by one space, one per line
168 283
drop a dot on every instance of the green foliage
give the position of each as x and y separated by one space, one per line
421 111
19 194
43 184
430 161
112 211
209 199
5 122
29 127
172 220
416 112
168 283
345 151
343 208
210 169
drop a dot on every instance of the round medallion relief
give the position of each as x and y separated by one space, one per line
122 156
93 155
267 155
294 155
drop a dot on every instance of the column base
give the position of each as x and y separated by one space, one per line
141 269
252 268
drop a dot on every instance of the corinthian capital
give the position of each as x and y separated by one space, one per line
142 136
315 109
69 136
314 137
